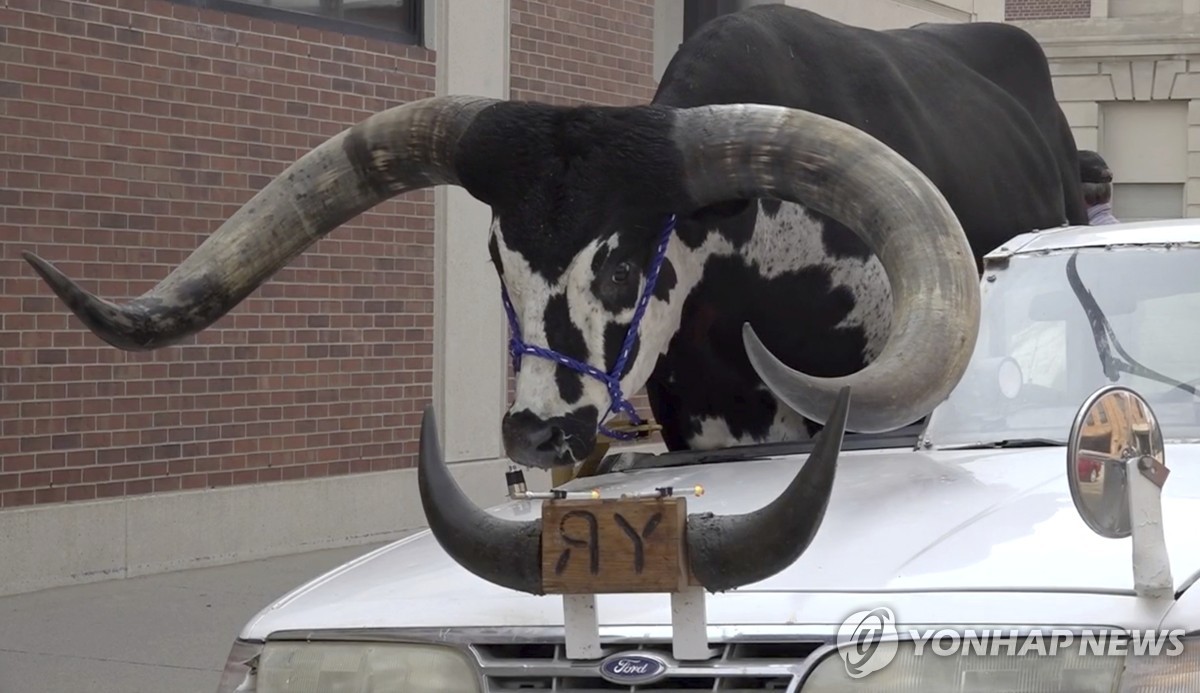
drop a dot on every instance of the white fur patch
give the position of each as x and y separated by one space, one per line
537 389
792 240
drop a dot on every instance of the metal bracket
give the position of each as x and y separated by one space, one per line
582 626
689 626
1153 470
1151 564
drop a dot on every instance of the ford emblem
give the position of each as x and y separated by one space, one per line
632 667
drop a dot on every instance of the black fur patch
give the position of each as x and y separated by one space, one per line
614 339
634 247
616 297
494 251
841 241
666 280
570 384
706 372
564 337
560 177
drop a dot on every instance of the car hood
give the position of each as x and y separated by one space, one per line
925 530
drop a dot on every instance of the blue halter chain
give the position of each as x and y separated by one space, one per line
612 381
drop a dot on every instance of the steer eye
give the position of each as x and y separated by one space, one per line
621 273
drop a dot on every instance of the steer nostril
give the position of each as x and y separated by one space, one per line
524 431
545 438
551 440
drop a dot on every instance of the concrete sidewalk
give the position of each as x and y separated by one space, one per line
166 633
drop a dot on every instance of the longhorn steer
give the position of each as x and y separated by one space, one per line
800 161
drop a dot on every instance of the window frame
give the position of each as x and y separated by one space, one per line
1123 190
697 13
413 35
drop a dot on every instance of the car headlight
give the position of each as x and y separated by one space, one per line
1144 674
996 667
970 672
240 668
334 667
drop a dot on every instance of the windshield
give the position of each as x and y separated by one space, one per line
1057 326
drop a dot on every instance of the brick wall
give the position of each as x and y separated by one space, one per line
583 52
131 129
1046 9
576 51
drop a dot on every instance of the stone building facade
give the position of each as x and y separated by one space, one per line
1128 77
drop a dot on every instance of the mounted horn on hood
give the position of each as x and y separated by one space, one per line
724 551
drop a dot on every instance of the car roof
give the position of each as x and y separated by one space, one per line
1159 232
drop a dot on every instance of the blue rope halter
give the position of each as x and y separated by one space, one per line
612 381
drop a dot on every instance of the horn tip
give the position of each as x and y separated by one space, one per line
119 327
429 420
841 407
758 352
56 279
429 445
78 299
775 375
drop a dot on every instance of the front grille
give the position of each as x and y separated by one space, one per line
738 667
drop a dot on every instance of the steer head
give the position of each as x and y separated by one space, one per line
579 197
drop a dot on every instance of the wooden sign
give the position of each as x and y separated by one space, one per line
610 546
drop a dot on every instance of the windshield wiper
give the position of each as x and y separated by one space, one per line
1106 339
1013 443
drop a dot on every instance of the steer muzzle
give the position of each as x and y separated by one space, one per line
546 443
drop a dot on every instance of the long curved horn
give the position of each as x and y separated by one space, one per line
730 551
404 148
745 151
504 552
724 552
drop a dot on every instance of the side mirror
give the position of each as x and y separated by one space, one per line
1116 470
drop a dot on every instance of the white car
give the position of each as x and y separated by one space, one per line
988 519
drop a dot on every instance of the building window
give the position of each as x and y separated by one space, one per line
1146 145
394 20
1144 8
1148 201
697 13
